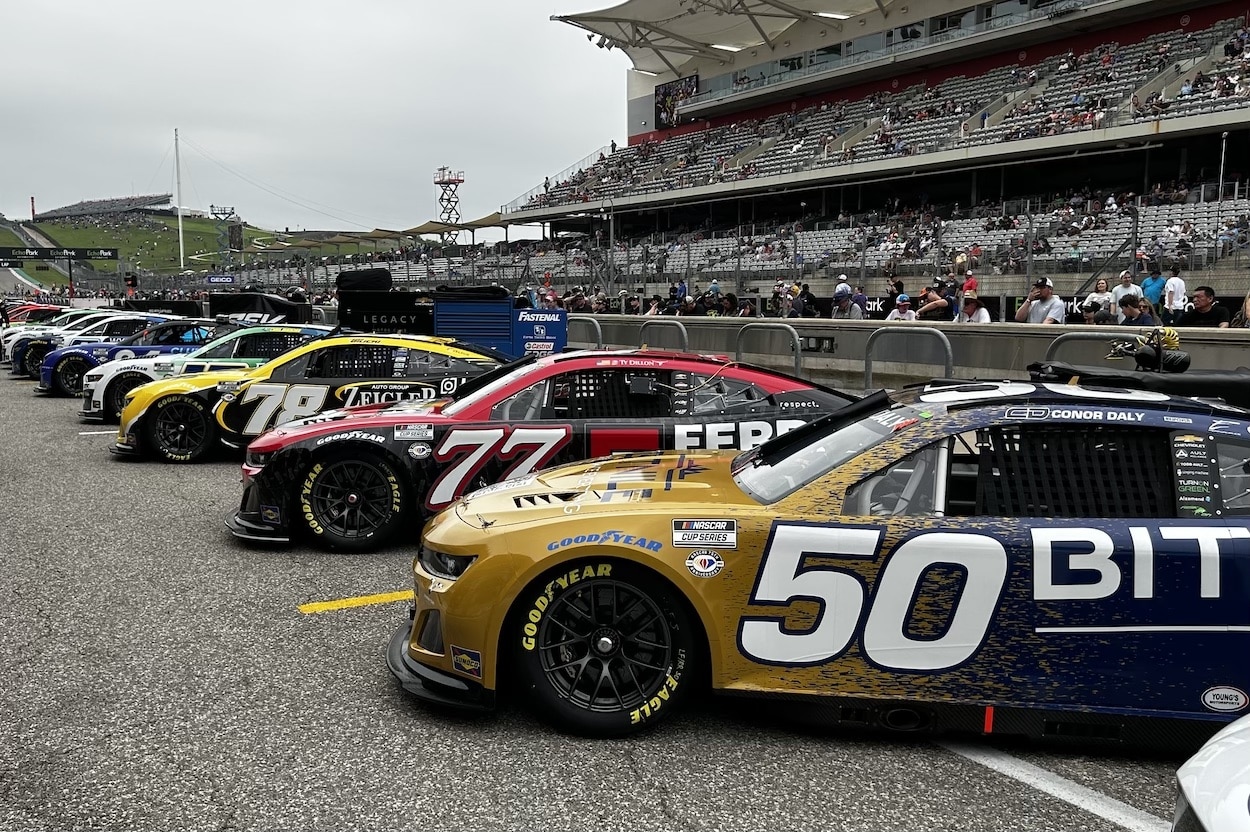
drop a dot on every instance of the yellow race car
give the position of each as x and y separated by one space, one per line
180 419
1039 559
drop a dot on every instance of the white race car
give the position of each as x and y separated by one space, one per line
65 320
1213 786
27 351
105 387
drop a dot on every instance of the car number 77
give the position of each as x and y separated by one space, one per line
784 578
533 448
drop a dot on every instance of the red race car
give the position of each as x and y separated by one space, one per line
350 479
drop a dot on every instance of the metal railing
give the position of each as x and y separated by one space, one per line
907 331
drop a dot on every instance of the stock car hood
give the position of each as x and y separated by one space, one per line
383 417
615 487
191 383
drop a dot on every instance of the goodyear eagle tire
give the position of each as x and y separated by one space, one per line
603 648
180 428
32 359
67 375
115 393
352 500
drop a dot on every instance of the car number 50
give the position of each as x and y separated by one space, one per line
842 596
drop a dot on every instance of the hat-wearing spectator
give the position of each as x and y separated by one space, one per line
936 304
1041 306
973 311
1173 298
843 308
1205 312
1152 286
713 287
1135 311
902 310
1126 289
1089 310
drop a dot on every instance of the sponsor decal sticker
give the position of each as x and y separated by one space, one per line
418 450
506 485
467 661
1227 427
353 434
270 514
699 533
1178 420
1035 412
1225 699
705 563
610 536
419 433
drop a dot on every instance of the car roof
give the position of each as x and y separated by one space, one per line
430 343
958 395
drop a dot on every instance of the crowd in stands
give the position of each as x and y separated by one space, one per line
1082 90
96 207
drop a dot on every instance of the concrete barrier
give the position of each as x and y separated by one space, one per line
833 351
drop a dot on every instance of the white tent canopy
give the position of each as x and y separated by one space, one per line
661 35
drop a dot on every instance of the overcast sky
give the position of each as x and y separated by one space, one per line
307 115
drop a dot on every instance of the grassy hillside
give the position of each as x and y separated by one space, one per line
8 239
149 244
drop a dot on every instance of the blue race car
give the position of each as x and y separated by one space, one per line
62 370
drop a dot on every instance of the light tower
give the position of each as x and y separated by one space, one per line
449 181
222 217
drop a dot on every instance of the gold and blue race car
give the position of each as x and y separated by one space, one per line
1015 557
180 419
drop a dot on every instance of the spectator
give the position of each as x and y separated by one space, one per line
1126 289
973 311
969 285
1101 294
1133 311
1041 306
860 299
893 288
1205 312
1089 310
1242 319
843 308
936 304
714 288
1152 286
1173 298
809 302
902 310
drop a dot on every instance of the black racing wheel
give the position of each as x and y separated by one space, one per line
603 648
67 375
180 428
352 499
115 393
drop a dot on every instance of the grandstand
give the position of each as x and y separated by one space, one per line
827 136
103 207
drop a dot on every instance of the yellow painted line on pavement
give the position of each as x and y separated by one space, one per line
359 601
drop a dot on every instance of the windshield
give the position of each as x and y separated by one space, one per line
84 322
488 384
222 347
773 473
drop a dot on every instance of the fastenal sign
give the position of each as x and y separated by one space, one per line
42 253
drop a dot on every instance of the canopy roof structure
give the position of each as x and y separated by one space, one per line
661 35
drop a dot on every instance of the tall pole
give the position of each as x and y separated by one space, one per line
182 251
1219 213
